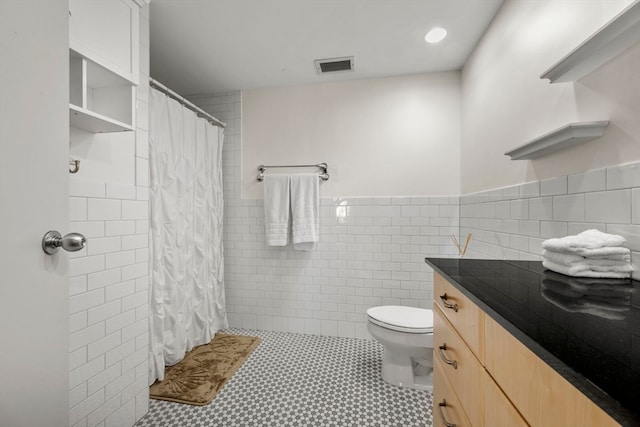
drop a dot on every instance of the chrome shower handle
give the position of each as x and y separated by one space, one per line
71 242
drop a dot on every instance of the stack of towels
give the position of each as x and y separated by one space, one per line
591 253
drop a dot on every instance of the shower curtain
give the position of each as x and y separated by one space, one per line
187 300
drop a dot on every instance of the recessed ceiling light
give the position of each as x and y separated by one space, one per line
435 35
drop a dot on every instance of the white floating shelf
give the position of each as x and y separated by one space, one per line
559 139
619 34
93 122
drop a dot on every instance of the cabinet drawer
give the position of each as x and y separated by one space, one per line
547 399
446 406
459 366
464 315
498 410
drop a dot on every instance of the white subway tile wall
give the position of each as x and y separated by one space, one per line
371 252
108 289
607 199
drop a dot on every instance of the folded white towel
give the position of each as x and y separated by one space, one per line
305 211
590 239
276 209
573 259
615 272
600 253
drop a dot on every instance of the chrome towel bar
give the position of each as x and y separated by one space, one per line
322 166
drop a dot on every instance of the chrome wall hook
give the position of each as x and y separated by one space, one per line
74 166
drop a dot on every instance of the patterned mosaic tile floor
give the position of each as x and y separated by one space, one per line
303 380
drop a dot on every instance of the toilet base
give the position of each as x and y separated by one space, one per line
404 371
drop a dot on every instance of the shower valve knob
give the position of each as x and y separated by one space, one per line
71 242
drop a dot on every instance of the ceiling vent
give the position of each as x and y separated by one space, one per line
334 65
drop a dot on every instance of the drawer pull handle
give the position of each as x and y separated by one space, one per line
453 307
441 405
446 360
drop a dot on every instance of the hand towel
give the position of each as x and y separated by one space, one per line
573 259
590 239
305 207
276 209
615 272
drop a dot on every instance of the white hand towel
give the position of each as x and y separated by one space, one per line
617 273
305 206
276 209
590 239
573 259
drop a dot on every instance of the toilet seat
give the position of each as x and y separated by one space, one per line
403 319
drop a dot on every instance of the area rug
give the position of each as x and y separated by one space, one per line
204 370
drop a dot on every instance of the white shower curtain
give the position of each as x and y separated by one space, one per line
187 300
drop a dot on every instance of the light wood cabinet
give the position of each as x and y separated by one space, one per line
548 399
501 383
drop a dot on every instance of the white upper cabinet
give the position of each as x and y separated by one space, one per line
106 32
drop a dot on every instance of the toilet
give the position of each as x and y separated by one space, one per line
406 333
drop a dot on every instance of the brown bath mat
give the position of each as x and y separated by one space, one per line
204 370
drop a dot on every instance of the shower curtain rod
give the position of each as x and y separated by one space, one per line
190 105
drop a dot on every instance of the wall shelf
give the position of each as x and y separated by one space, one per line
619 34
90 121
559 139
99 99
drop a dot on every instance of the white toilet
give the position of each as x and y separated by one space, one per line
407 336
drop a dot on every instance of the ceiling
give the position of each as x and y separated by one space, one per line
213 46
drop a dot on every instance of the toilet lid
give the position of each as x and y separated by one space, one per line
404 319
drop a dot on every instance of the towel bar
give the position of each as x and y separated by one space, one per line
322 166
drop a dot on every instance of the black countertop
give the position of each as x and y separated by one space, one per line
588 330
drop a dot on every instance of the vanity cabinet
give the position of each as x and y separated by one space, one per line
483 376
103 64
463 391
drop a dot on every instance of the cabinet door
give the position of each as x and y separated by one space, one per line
107 33
498 410
548 399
